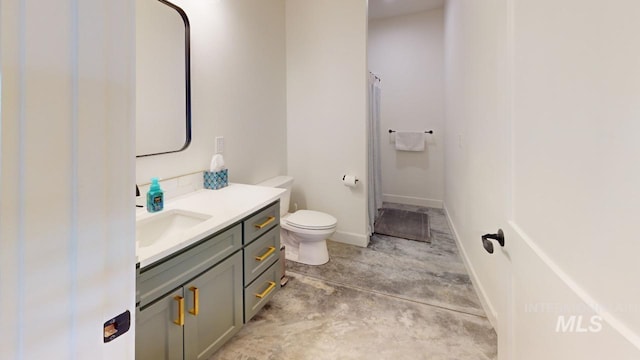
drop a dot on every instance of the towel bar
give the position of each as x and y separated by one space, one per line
426 132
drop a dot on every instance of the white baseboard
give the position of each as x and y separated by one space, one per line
482 295
350 238
572 294
412 200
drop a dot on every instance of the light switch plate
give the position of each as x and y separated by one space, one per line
219 144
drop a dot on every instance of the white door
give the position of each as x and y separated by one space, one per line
550 101
486 144
573 201
67 228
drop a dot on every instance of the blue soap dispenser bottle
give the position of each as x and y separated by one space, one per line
155 197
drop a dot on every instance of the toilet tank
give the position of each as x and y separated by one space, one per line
282 182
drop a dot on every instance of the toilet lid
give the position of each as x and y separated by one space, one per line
312 220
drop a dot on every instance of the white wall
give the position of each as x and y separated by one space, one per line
327 108
407 52
573 89
238 91
67 247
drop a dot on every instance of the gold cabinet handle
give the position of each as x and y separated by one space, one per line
269 220
272 285
266 255
196 301
180 320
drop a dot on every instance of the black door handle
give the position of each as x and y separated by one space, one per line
486 240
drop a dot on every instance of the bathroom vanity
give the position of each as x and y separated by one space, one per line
214 265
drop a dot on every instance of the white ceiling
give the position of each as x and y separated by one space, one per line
379 9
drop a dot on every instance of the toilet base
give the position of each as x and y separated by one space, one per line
309 253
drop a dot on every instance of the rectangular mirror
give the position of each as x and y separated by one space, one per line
163 90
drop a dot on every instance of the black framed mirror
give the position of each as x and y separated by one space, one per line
163 78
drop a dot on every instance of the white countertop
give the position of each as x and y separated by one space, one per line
226 206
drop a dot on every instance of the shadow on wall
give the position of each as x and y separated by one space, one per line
298 200
408 159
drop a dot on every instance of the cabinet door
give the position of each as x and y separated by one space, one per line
214 308
157 336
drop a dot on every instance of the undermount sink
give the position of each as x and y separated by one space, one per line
165 225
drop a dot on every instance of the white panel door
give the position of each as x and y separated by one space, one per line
533 94
480 80
543 105
67 222
573 100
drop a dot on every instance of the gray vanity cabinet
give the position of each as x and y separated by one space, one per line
261 259
205 313
156 337
218 314
191 302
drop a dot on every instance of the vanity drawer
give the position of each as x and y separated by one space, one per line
260 254
261 222
164 276
261 291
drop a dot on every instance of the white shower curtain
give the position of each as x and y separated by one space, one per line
375 172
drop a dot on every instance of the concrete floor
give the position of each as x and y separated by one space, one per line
395 299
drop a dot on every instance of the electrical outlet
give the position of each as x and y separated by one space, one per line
219 144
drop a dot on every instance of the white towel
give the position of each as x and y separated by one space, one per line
410 140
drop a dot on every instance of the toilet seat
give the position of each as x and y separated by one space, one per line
311 220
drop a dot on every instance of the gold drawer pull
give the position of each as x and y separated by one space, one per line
269 220
180 319
272 285
270 251
196 301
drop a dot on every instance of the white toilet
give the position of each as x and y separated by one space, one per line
304 232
